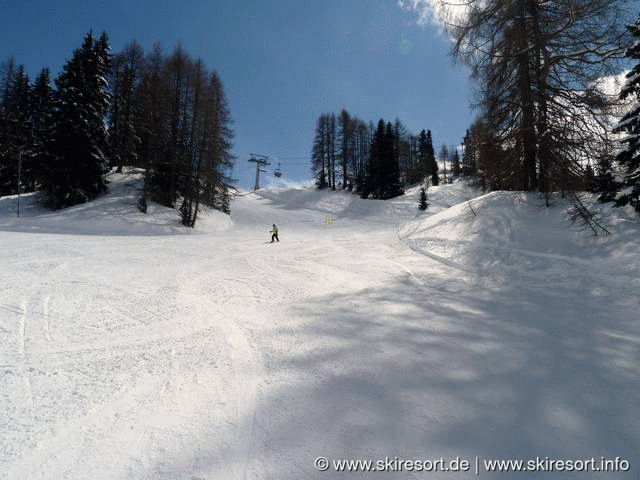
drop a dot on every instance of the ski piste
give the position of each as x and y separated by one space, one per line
136 348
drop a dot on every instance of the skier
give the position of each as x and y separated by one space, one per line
274 233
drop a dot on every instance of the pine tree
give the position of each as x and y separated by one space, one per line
362 144
456 166
124 115
435 178
411 174
431 159
444 158
153 106
423 203
428 157
590 183
7 70
402 151
319 157
345 136
42 127
80 136
194 139
373 176
15 150
382 180
629 156
424 151
469 155
332 150
216 146
174 162
605 182
390 187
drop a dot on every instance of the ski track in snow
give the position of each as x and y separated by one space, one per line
362 334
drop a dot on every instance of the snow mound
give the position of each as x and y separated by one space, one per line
347 206
515 233
287 183
114 213
500 219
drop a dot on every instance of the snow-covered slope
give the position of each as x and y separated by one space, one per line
488 327
114 214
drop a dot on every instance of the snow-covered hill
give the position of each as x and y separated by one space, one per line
488 327
114 214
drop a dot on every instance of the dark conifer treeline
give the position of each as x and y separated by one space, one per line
165 114
382 174
77 147
627 191
376 161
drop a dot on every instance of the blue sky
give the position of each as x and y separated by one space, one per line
282 62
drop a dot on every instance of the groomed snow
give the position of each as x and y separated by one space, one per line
489 327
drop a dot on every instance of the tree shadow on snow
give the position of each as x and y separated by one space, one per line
421 370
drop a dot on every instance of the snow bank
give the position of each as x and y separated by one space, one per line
490 225
115 213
